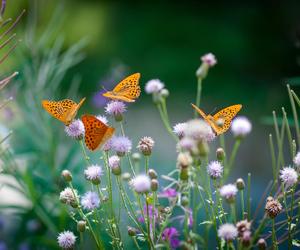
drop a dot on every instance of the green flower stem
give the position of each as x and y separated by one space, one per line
249 197
151 244
136 243
147 164
274 239
86 157
109 181
242 203
288 131
273 157
296 121
165 122
81 241
127 154
232 157
233 212
98 241
290 231
153 215
198 96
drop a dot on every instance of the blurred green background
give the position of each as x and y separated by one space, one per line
256 44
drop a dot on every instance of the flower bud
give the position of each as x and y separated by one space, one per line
152 174
262 244
154 185
202 71
184 160
66 174
136 157
184 201
164 93
184 174
116 170
126 176
273 207
240 184
220 153
145 145
131 231
81 226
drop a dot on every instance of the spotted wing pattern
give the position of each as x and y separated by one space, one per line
96 132
64 110
127 90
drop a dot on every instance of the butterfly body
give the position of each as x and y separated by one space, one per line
64 110
96 132
221 121
127 90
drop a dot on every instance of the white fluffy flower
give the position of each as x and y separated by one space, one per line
199 130
90 200
227 232
215 169
288 176
154 86
241 126
114 161
93 173
141 183
102 118
228 191
179 129
66 240
297 159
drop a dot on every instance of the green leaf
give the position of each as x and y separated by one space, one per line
296 242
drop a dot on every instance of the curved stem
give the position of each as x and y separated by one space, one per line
198 96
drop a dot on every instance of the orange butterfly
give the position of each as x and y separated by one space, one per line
96 132
64 110
220 122
127 90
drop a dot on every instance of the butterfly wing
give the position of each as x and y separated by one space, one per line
127 90
226 115
96 132
64 110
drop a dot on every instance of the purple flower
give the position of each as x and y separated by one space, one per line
150 208
90 201
93 173
288 176
229 192
215 169
179 129
141 183
114 161
187 144
190 219
115 108
171 235
107 146
199 130
154 86
102 118
169 193
121 144
66 240
75 129
209 59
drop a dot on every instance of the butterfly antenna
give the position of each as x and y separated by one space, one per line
213 111
104 88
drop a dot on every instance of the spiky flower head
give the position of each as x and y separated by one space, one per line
107 146
66 240
114 163
90 200
228 192
288 176
121 144
141 183
171 235
243 226
75 130
209 59
102 118
199 130
93 173
273 207
116 109
228 232
179 129
154 86
67 196
297 159
187 144
145 145
215 169
241 126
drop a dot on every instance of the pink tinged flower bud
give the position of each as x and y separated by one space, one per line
273 207
152 174
154 185
93 173
228 192
243 226
114 164
75 130
69 197
145 145
141 183
228 232
208 61
121 145
131 231
241 126
66 240
81 226
262 244
179 129
67 176
116 109
288 176
154 86
184 160
240 184
220 153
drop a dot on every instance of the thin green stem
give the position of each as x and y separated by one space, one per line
86 157
296 121
273 157
274 238
198 96
249 197
242 203
232 157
